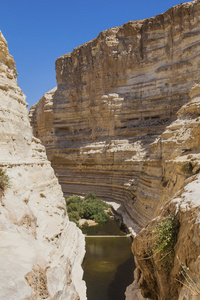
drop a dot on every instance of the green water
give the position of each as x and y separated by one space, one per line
108 265
110 228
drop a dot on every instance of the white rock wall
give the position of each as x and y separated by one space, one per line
40 250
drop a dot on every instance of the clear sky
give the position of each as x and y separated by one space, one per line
39 31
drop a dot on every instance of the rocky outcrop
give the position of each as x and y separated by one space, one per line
116 94
180 160
181 281
40 250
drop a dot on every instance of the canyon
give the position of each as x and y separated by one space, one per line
123 123
40 251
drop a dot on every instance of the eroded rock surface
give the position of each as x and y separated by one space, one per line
181 281
180 144
40 250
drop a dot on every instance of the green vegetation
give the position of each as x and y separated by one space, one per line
165 239
4 180
89 208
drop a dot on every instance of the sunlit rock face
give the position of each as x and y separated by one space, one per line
124 123
102 126
40 250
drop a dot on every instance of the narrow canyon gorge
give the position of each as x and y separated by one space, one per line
123 123
106 125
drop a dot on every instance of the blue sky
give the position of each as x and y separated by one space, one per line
39 31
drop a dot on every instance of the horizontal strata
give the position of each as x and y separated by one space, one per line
102 126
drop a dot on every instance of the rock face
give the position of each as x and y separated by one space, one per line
181 281
116 94
123 123
180 143
40 250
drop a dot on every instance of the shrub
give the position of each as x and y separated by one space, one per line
74 217
101 217
85 225
73 207
88 208
90 196
166 237
73 199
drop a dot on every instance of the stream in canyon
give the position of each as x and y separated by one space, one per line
109 264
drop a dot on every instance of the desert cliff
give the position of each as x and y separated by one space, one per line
40 250
123 122
116 94
181 161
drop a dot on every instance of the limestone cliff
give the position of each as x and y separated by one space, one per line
182 280
40 250
123 123
181 156
116 94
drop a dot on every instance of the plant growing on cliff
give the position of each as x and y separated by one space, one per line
4 180
165 239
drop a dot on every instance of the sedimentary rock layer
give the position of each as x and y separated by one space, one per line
40 250
180 145
102 125
124 123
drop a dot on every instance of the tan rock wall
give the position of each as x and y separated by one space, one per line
116 95
181 281
180 162
124 124
40 251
